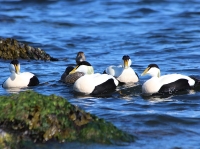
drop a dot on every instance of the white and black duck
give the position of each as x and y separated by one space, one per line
166 84
95 84
19 79
123 73
83 67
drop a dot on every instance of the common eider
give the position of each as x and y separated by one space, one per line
123 73
166 84
79 58
83 67
95 84
17 79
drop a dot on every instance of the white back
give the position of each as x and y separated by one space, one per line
86 84
154 84
101 78
114 70
173 77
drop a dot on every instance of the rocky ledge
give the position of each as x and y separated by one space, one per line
41 118
12 49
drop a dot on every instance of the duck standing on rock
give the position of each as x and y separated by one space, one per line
83 67
123 73
17 79
166 84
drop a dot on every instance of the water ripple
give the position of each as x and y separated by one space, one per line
163 32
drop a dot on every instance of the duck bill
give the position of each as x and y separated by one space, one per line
125 64
145 71
74 70
16 69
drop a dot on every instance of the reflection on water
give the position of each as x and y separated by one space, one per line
16 90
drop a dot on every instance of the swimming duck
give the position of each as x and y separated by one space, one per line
18 79
123 73
83 67
79 58
170 83
95 84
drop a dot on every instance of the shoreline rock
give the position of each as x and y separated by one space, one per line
12 49
42 118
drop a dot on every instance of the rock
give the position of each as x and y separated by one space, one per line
41 118
12 49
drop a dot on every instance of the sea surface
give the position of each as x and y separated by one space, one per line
165 32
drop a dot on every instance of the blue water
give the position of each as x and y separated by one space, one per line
165 32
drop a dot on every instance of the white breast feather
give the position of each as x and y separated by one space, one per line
151 86
128 75
21 80
84 84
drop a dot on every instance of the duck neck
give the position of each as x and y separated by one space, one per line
156 75
13 75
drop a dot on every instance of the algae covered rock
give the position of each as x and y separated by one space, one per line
43 118
12 49
6 140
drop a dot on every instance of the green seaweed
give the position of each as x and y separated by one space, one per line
52 117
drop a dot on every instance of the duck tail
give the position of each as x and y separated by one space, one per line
197 82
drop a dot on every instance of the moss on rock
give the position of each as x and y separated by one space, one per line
12 49
52 117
